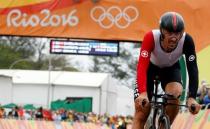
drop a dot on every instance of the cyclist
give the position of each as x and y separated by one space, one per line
159 56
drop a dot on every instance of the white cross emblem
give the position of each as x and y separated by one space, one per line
144 54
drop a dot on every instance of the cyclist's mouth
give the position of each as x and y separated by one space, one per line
172 45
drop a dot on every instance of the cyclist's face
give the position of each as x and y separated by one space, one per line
171 38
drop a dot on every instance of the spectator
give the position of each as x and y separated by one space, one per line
14 112
47 115
56 116
27 115
2 112
122 123
20 112
206 99
70 116
39 113
63 114
202 91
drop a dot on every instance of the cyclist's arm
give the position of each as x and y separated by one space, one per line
191 61
143 63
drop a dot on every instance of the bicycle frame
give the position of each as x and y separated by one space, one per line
158 108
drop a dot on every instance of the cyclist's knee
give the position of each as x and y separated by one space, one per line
174 88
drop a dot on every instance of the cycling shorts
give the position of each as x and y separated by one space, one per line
165 75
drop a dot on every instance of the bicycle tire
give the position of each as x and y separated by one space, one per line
150 121
160 120
164 121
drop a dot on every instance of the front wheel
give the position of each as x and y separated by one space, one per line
163 122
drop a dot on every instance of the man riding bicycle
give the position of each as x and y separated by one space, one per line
159 56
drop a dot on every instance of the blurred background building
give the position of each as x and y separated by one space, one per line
40 88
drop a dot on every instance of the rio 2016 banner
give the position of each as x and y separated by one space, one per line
99 19
105 19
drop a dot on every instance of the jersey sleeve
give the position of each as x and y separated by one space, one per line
192 68
143 63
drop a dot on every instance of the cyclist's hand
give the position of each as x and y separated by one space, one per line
141 101
197 107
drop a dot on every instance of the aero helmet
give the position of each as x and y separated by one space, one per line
172 22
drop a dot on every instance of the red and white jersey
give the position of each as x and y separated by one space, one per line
161 58
151 51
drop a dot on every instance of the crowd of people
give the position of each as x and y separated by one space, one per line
114 122
203 95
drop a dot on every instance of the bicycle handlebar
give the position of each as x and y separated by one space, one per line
166 96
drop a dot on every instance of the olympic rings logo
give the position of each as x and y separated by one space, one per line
122 14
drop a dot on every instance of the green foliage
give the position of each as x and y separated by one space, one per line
8 56
122 67
27 53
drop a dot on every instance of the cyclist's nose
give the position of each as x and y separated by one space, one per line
173 39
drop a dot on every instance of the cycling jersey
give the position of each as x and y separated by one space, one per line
152 52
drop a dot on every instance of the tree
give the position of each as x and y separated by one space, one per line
8 56
14 49
123 67
24 45
58 62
